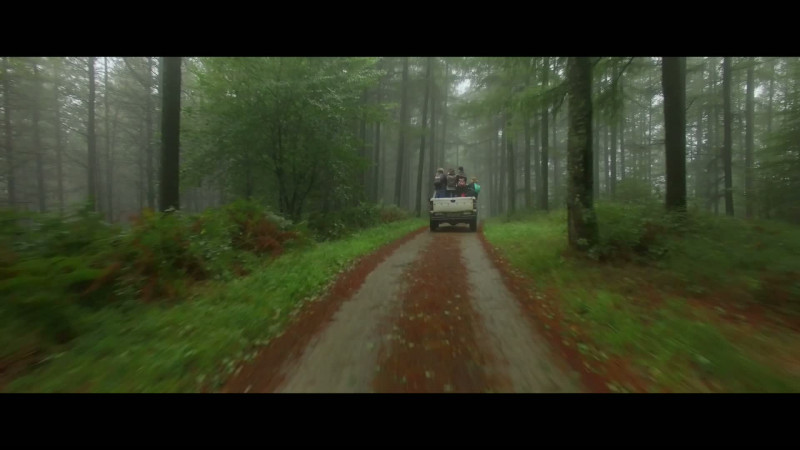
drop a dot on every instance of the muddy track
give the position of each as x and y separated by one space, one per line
429 313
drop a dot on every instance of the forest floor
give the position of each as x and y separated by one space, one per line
455 311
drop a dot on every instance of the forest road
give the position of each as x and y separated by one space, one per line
431 315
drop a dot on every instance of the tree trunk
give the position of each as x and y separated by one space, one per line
613 160
92 154
749 195
512 169
639 155
716 152
544 162
150 169
606 153
365 175
142 177
383 185
492 171
169 193
581 221
771 97
596 158
650 138
615 116
422 139
556 163
501 188
59 148
113 146
536 154
408 186
527 131
432 146
442 155
698 155
10 180
673 80
623 126
739 115
377 182
109 150
401 147
37 142
728 139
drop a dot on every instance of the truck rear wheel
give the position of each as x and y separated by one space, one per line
434 226
473 225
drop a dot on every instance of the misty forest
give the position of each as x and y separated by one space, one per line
166 223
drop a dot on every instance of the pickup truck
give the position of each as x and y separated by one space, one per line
454 210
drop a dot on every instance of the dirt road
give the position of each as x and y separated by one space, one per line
427 314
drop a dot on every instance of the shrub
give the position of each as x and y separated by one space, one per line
49 267
631 191
393 213
53 268
340 223
633 232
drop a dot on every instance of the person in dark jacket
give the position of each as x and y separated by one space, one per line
440 184
451 183
473 189
461 183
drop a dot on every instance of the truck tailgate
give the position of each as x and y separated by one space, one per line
456 204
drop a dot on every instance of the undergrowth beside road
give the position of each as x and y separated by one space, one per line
167 305
693 303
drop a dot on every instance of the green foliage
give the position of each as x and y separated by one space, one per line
621 307
677 349
162 252
77 283
258 230
392 213
344 222
192 345
633 191
47 265
158 257
627 232
760 257
278 127
779 169
633 233
53 268
539 260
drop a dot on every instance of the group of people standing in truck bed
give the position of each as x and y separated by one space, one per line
454 184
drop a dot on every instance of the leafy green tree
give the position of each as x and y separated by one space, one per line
278 128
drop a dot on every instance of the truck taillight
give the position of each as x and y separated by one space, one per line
474 203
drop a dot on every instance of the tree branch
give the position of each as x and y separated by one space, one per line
624 68
690 104
134 73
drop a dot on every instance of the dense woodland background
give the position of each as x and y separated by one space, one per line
675 178
316 135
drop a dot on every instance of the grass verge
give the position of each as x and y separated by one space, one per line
696 304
